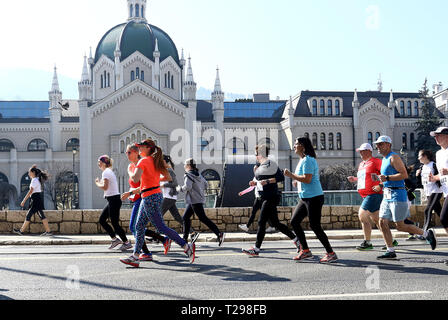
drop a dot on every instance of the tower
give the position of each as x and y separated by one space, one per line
55 109
137 10
85 85
189 84
218 111
156 54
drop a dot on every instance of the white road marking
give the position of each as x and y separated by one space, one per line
348 295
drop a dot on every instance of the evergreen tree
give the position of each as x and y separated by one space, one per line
428 122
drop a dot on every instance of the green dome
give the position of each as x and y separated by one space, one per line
132 37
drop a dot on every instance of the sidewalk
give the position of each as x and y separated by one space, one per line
10 240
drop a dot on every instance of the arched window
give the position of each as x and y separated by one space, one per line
315 141
268 142
322 107
409 109
137 10
131 10
143 11
314 107
236 146
323 141
416 110
377 135
108 80
132 75
330 107
166 80
3 178
105 79
402 108
330 141
137 73
370 138
337 108
142 77
172 82
6 145
339 141
72 144
25 182
412 141
37 145
404 140
307 135
102 82
133 138
122 150
214 182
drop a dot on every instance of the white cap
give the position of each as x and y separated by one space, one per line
365 146
441 130
383 139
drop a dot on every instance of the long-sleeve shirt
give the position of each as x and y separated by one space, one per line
269 170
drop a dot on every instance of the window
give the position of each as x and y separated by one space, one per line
330 107
108 80
172 82
3 178
214 182
137 73
122 146
330 141
25 184
314 107
315 141
132 75
131 10
236 145
137 10
72 144
339 141
370 138
377 135
412 141
337 108
37 145
402 108
404 140
204 144
105 79
166 81
416 111
323 141
142 77
409 109
322 107
102 82
6 145
143 11
307 135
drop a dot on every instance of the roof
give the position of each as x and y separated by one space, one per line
24 109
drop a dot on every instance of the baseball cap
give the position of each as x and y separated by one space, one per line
383 139
365 146
146 143
440 130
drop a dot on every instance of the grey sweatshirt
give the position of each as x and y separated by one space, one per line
194 187
171 184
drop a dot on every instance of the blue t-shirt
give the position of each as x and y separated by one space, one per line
397 195
308 165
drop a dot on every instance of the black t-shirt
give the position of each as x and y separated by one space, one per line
269 170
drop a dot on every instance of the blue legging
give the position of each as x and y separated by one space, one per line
134 215
150 211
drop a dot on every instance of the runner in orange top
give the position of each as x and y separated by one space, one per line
148 172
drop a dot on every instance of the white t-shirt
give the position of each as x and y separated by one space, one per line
442 162
112 190
36 185
429 187
166 191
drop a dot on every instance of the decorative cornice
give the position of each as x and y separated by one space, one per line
169 62
313 122
104 60
137 56
372 105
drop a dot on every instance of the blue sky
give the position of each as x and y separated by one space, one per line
280 47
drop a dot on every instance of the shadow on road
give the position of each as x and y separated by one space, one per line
4 298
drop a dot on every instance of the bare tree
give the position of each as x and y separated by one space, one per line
59 186
8 196
335 177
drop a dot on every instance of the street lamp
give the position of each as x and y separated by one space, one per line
73 196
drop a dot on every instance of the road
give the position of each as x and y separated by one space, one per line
92 272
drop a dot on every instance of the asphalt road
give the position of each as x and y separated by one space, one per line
92 272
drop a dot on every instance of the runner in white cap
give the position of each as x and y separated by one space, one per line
394 206
370 190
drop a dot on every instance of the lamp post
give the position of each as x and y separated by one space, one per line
73 189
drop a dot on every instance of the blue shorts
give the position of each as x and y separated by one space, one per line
372 202
394 211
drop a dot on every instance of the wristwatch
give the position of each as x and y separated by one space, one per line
387 178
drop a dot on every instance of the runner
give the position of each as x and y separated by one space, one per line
268 175
432 190
370 190
109 185
134 195
148 172
37 201
394 206
170 197
310 202
194 188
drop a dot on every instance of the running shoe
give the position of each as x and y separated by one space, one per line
251 252
329 258
395 244
303 255
145 257
411 238
243 227
167 245
46 234
365 246
126 246
17 231
132 261
191 252
114 243
421 238
194 236
446 262
432 239
221 239
271 230
387 256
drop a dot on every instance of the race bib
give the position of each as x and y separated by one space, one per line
425 179
387 193
444 179
361 179
299 187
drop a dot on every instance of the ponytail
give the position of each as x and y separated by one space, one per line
158 160
41 175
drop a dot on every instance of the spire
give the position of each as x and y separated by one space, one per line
85 71
291 106
55 83
189 71
157 46
217 81
380 84
355 98
391 98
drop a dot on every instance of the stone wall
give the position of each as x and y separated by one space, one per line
227 219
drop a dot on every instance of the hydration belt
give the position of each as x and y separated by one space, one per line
149 189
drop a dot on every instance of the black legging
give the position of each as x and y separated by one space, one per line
112 211
311 208
269 213
433 205
444 214
197 208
